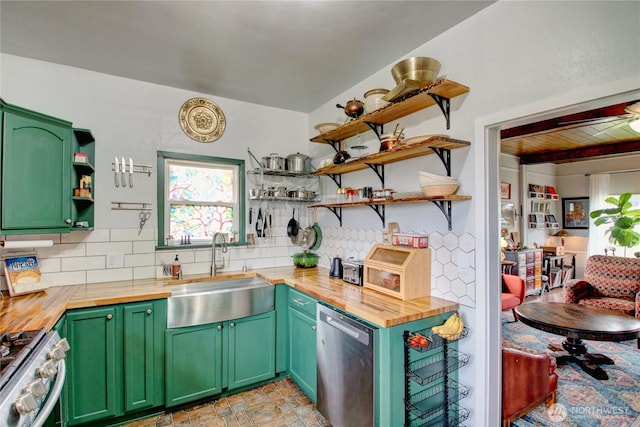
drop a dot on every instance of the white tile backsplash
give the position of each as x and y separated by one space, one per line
80 257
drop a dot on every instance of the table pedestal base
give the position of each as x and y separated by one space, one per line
574 350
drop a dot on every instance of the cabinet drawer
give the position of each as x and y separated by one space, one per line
302 302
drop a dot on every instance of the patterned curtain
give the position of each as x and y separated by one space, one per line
598 191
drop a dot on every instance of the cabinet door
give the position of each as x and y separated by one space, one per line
252 356
93 371
302 352
139 367
36 176
193 368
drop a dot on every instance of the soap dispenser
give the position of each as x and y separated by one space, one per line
176 269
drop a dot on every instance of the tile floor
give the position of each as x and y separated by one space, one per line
279 404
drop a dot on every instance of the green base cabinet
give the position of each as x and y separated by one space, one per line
115 362
302 342
252 350
193 363
204 361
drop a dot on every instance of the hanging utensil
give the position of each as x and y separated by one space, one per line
259 223
316 244
292 226
116 169
265 228
250 215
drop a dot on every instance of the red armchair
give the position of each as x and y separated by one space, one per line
513 292
528 380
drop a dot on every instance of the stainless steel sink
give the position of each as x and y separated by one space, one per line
199 303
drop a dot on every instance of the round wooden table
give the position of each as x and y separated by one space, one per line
577 322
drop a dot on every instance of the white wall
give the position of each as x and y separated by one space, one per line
511 54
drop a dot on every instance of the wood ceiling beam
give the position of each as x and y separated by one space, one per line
562 122
581 153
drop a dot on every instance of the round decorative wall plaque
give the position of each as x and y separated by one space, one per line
202 120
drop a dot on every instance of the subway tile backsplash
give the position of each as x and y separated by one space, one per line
106 255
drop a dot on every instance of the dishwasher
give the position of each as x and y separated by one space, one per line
345 369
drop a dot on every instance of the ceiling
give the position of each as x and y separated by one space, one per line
574 137
295 55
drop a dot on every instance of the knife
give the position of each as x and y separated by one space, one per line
116 169
123 169
130 172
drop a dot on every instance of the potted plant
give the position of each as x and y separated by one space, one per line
623 221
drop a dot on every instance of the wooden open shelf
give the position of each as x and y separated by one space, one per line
416 199
402 152
407 105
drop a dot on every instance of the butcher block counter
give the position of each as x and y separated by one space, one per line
43 309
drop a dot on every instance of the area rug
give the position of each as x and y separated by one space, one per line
582 400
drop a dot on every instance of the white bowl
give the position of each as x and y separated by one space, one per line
440 190
373 99
326 127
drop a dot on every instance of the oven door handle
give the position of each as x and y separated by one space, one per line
54 395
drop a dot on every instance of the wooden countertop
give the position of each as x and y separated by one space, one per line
43 309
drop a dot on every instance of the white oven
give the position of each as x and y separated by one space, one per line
31 377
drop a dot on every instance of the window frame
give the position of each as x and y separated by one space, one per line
162 157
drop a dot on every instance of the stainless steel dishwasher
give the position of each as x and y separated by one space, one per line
345 369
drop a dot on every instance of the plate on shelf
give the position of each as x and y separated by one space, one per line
420 138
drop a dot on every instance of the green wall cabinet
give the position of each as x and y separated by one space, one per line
36 172
39 173
203 361
115 364
302 342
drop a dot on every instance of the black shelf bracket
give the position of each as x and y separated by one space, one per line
337 178
445 208
445 156
334 144
379 209
379 170
378 129
445 106
337 211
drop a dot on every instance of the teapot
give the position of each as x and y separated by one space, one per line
336 267
353 109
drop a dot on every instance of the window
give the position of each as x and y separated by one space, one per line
199 196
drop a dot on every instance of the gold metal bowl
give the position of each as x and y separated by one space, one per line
420 68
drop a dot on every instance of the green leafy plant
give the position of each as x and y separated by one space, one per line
623 221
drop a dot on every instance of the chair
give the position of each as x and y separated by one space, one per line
513 292
528 380
609 282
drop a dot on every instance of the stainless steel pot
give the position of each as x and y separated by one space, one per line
299 193
274 162
256 192
277 191
299 163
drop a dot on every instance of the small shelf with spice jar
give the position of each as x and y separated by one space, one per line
83 180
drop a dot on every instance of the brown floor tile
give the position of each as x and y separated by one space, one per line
279 404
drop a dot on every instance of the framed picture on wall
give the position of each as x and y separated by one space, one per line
505 190
575 212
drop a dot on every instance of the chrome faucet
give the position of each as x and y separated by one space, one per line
215 267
